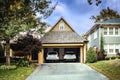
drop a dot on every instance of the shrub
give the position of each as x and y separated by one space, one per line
4 67
101 55
111 57
23 63
91 56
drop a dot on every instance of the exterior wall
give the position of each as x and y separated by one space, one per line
67 27
111 42
93 39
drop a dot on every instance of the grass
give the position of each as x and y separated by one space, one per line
21 73
110 68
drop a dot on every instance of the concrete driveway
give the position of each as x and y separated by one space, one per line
65 71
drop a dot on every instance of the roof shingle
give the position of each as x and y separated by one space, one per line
110 21
62 37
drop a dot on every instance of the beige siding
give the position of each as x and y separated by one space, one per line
56 27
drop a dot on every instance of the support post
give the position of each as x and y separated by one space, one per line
81 54
85 52
41 57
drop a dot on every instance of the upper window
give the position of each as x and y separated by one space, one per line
110 31
105 31
116 31
61 26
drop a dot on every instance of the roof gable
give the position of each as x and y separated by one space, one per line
62 22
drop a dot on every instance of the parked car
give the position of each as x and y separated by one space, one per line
69 56
53 55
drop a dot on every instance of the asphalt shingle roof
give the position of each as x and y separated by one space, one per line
62 37
110 21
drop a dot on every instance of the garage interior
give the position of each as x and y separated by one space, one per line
61 52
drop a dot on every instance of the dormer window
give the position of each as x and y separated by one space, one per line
61 26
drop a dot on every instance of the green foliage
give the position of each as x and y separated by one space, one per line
112 57
97 2
110 68
101 44
21 73
106 14
91 56
4 67
23 63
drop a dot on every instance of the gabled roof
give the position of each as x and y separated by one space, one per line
62 37
110 21
65 22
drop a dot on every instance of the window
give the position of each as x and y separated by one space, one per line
111 50
116 31
110 31
105 31
61 26
117 50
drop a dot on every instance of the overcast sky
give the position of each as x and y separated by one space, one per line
78 12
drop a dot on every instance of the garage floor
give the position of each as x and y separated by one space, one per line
65 71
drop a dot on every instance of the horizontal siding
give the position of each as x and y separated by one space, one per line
109 40
94 43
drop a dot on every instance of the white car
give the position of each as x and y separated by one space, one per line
53 55
70 57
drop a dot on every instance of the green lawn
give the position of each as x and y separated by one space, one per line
110 68
18 74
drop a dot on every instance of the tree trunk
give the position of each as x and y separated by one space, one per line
8 53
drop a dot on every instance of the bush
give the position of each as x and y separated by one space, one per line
101 55
23 63
4 67
111 57
91 56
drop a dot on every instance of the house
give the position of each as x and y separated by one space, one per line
110 30
62 38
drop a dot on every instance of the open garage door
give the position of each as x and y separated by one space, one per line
59 55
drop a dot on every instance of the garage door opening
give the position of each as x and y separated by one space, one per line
58 55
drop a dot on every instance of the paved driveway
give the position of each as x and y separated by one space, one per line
65 71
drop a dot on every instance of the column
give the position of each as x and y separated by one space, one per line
41 57
81 54
85 51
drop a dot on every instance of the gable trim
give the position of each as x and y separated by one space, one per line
64 21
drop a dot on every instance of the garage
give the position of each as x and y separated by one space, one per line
62 44
61 55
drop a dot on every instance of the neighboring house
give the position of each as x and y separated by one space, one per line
62 38
110 29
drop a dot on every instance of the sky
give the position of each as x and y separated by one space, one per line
78 12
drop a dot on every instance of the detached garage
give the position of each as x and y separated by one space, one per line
63 40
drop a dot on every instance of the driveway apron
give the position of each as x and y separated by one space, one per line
65 71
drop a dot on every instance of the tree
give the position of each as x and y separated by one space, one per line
101 55
19 15
101 43
26 45
106 14
91 56
97 2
